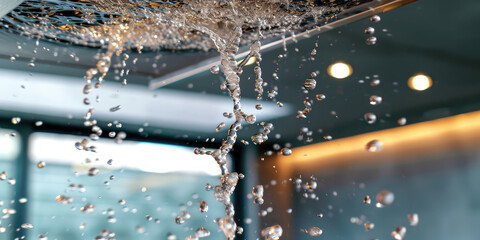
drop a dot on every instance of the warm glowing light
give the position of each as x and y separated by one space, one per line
402 143
340 70
420 82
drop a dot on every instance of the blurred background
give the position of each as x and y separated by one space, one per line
424 66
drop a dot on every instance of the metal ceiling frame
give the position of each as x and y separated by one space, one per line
347 16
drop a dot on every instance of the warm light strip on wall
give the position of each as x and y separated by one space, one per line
432 137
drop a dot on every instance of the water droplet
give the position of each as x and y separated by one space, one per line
374 146
413 219
369 30
314 231
140 229
320 97
310 84
202 232
3 175
122 202
12 59
369 226
42 237
399 233
11 181
208 187
402 121
88 208
41 164
371 40
257 192
203 207
258 106
93 171
16 120
179 220
367 200
63 199
375 100
171 236
375 82
215 69
116 108
272 233
375 18
111 219
370 118
27 225
385 198
38 123
2 229
22 200
286 151
31 64
220 126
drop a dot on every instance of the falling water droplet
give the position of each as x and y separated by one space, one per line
16 120
3 175
38 123
202 232
41 164
257 192
27 225
367 200
286 151
215 69
203 207
369 226
320 97
369 30
258 106
375 18
310 84
220 126
11 181
116 108
93 171
374 146
272 233
171 236
314 231
402 121
371 40
375 82
385 198
179 220
375 100
399 233
370 118
413 219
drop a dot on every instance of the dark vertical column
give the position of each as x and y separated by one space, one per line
245 161
21 188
